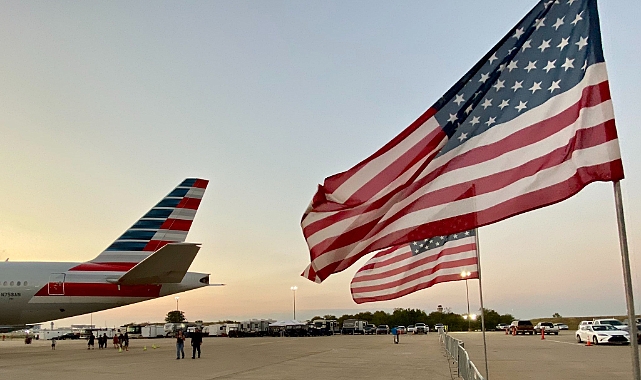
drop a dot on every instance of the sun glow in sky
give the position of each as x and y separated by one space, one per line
107 106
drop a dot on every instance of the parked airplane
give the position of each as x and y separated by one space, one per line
149 260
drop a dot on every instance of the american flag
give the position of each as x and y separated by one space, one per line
404 269
529 125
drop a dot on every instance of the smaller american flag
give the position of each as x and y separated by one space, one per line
406 268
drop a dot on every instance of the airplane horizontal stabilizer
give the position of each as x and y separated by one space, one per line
167 265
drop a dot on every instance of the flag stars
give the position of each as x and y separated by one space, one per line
558 23
549 66
518 33
583 41
475 120
530 66
512 65
459 99
493 58
499 85
463 136
564 43
484 77
585 65
526 45
521 106
452 118
504 103
569 64
571 1
539 23
544 45
469 109
490 121
517 85
487 103
535 87
554 86
577 19
502 67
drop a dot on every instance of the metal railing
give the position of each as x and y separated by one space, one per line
454 347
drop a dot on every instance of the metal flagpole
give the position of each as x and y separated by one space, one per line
627 280
478 265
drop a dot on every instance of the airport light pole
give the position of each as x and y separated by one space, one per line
177 298
293 289
465 275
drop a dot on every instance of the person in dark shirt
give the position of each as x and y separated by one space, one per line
126 341
90 344
196 341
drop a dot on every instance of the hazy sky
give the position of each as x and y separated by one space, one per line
106 106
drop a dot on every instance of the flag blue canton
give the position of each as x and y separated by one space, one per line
421 246
545 54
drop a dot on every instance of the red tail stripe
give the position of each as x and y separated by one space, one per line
190 203
76 289
103 267
201 183
176 225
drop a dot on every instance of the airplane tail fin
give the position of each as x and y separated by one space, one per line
167 222
167 265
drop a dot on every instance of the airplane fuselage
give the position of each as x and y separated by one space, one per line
32 292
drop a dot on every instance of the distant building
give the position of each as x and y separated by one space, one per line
439 308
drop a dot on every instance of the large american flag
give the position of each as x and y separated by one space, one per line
529 125
404 269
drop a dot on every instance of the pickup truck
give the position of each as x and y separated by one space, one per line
548 326
370 329
522 327
421 328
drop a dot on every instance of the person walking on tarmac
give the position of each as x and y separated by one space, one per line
395 333
196 341
180 344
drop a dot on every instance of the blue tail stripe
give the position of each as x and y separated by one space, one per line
148 224
178 192
158 213
127 246
189 182
169 202
137 235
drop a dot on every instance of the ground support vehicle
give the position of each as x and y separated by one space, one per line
547 326
254 327
353 326
522 326
152 331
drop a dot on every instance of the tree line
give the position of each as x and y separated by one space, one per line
406 317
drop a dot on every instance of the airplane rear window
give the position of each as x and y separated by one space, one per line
4 283
11 283
25 283
18 283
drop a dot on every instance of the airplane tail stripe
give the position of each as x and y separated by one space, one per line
103 267
168 221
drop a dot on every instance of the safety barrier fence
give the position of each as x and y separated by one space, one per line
454 347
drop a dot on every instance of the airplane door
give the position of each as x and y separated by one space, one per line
57 284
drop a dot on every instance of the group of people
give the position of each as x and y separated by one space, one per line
196 342
120 341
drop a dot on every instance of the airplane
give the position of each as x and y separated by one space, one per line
150 260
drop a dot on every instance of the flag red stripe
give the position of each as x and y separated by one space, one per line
584 138
76 289
391 296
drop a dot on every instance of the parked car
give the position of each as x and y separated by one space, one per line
411 329
548 326
401 330
612 322
601 334
370 329
439 326
421 328
502 326
522 326
382 329
562 326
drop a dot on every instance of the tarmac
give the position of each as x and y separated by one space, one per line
335 357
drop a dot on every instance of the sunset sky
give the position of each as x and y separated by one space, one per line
106 106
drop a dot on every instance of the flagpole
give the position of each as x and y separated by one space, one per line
478 265
627 280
